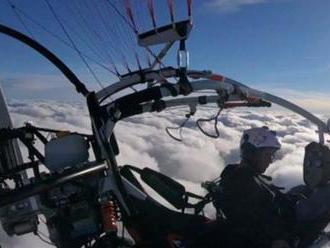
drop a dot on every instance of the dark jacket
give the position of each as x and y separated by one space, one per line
256 211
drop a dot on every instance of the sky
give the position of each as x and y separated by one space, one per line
143 142
280 46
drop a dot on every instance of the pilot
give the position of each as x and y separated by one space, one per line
258 213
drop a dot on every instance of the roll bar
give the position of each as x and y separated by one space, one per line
151 99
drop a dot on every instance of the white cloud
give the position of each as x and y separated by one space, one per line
144 142
38 86
314 101
233 5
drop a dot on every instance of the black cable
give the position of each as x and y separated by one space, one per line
93 30
44 240
215 118
139 13
112 31
72 42
122 16
168 130
120 34
124 32
160 62
59 38
128 39
13 7
132 27
84 32
108 35
180 127
42 234
91 33
135 90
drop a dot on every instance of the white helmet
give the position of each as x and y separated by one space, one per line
260 137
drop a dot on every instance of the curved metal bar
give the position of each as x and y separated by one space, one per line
143 76
237 90
295 108
202 100
167 90
132 79
80 87
322 126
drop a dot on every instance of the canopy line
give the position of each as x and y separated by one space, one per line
151 8
12 6
72 42
170 4
59 38
129 13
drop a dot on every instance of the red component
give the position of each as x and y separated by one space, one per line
253 99
152 12
235 104
217 77
109 216
138 60
189 4
171 8
129 13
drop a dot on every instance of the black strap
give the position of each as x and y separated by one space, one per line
215 118
179 128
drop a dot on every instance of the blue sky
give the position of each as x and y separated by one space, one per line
276 45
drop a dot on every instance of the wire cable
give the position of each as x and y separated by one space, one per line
13 7
39 234
117 30
132 27
122 16
95 15
59 38
90 33
72 42
216 120
108 36
180 127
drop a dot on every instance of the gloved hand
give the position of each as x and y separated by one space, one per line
280 244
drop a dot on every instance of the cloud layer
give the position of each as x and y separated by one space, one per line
233 5
144 142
